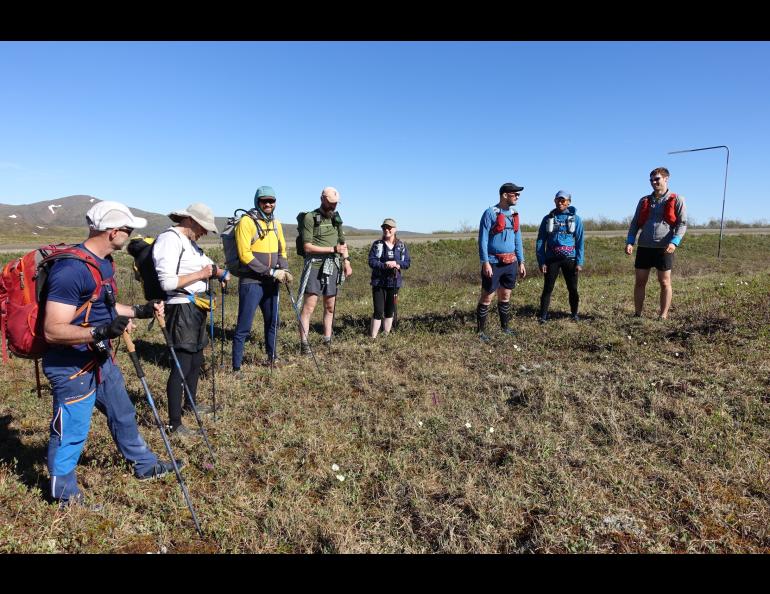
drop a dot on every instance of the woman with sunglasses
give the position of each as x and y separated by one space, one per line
388 256
559 247
184 272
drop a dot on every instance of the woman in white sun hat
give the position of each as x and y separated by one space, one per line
184 272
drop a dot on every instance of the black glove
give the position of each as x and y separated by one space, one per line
146 311
111 330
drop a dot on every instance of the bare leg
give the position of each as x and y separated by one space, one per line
328 314
664 278
639 286
307 311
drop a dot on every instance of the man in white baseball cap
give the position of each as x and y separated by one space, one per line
82 317
112 215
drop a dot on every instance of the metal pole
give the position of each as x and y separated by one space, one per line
162 323
140 374
299 321
724 192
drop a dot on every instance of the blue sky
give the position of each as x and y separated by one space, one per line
424 132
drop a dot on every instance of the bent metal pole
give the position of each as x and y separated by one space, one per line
162 323
140 374
724 191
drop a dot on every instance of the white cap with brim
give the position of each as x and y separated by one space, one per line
112 215
198 212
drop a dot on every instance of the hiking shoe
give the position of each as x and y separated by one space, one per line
326 341
575 318
274 362
542 321
79 501
161 468
509 331
304 348
483 337
184 433
203 409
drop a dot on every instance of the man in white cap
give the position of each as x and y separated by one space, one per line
184 272
81 318
325 252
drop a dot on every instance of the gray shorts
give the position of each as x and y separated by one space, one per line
318 284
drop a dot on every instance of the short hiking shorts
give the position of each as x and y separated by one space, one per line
503 275
319 284
647 258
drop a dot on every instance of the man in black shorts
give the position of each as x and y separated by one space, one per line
662 219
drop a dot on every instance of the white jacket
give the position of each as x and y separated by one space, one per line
165 255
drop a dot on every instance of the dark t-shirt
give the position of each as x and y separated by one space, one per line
71 282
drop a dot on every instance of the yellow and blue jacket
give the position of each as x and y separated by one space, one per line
261 248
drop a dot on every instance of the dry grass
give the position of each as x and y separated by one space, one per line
611 435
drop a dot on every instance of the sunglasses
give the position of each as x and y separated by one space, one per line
267 200
126 230
562 200
655 179
386 227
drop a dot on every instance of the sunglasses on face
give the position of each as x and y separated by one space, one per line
386 227
267 201
126 230
655 179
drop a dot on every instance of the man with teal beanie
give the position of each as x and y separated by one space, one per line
261 249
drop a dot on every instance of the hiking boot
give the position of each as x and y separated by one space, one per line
483 337
161 468
509 331
542 321
78 500
574 318
203 409
184 433
304 348
326 341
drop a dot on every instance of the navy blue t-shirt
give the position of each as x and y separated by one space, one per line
71 282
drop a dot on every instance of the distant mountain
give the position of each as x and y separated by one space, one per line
50 216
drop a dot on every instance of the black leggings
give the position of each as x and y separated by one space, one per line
191 366
384 302
569 269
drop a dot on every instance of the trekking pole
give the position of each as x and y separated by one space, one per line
336 294
162 323
223 289
276 304
213 351
299 321
140 373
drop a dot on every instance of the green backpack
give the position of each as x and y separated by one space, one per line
300 243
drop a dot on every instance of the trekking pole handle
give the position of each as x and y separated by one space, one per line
132 354
161 319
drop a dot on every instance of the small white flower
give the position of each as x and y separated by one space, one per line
419 423
491 429
628 337
645 342
335 468
676 354
467 425
340 477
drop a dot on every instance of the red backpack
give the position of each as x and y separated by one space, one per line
499 225
21 285
669 210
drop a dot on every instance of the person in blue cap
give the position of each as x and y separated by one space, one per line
263 265
560 247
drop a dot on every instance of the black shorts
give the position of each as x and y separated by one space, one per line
647 258
503 275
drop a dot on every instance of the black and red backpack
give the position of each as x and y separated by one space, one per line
21 286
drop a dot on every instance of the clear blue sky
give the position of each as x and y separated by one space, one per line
424 132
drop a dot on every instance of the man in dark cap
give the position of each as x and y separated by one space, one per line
502 257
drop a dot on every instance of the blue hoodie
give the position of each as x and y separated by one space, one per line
560 243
